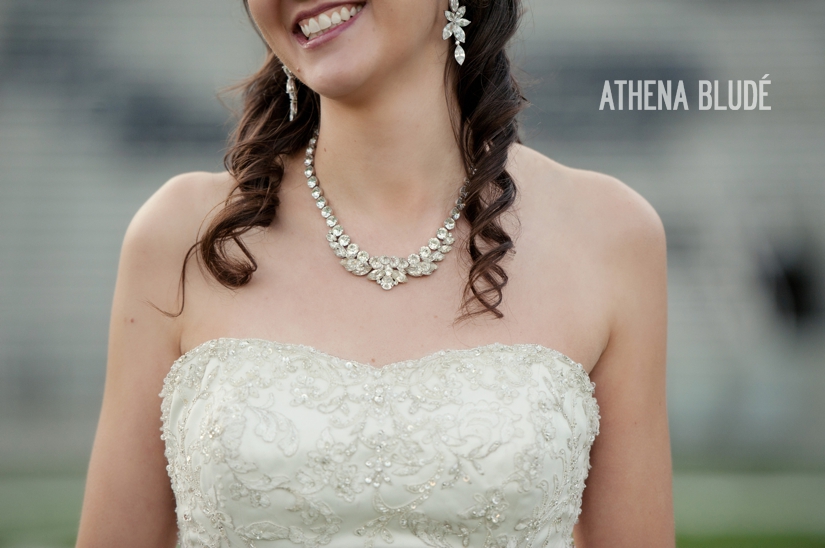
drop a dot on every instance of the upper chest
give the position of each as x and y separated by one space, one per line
300 293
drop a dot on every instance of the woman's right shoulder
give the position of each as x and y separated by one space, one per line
162 232
182 204
177 212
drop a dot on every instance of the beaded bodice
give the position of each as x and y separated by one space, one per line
278 445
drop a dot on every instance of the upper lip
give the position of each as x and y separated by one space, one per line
320 8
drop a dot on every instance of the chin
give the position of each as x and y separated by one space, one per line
348 70
337 81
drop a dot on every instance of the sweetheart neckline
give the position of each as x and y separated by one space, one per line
391 365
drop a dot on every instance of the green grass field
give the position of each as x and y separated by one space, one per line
713 510
764 541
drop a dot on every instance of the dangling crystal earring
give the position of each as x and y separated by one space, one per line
293 93
453 28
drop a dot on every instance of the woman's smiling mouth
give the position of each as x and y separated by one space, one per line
310 28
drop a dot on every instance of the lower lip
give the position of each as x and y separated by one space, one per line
327 36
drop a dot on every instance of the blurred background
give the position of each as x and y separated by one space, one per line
103 101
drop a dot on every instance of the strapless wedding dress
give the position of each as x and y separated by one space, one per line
281 445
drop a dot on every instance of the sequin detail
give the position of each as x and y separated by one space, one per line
272 444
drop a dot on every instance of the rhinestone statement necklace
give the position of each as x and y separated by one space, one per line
386 271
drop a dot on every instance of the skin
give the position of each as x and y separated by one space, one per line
588 278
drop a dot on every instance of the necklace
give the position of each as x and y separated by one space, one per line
386 271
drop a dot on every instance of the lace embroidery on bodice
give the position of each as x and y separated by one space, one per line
279 445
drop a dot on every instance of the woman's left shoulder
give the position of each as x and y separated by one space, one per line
594 208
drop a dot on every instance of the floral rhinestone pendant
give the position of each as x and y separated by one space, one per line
386 271
453 28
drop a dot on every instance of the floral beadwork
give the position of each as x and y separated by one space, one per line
272 444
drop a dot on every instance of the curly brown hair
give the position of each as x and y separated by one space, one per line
489 99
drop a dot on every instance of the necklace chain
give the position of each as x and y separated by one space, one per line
386 270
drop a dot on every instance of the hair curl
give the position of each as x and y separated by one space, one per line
489 99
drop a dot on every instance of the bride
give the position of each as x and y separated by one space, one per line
382 324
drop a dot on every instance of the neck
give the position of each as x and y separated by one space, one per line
391 154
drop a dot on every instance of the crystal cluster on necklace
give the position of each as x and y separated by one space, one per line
386 271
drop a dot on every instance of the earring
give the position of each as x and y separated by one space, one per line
293 93
453 28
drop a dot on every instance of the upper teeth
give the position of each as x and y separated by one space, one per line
327 20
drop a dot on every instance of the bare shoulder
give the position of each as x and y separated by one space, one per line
596 209
175 212
594 236
171 219
162 232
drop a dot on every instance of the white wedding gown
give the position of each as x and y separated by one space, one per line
279 445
